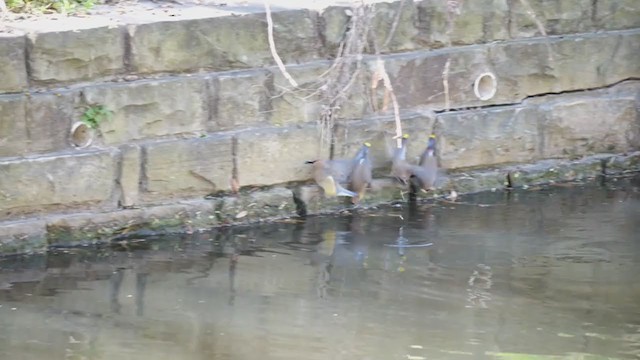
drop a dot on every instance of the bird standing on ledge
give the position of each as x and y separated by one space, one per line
400 168
428 173
361 173
325 173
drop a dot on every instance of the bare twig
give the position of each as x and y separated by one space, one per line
445 84
394 26
454 8
532 14
272 46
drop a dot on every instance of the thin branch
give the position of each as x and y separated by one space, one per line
394 26
386 81
272 46
445 84
532 14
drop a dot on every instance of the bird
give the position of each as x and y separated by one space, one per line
400 168
428 173
328 175
360 177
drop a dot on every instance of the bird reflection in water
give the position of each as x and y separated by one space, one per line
116 283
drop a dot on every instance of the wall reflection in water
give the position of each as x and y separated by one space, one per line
548 272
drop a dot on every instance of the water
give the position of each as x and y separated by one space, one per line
547 272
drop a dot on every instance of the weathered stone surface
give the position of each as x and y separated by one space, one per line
487 137
424 24
22 236
223 43
239 99
246 208
522 68
555 16
417 78
350 135
48 183
405 32
475 22
36 123
195 167
49 119
63 56
150 109
335 21
13 125
13 71
303 104
617 14
532 67
589 123
276 155
130 170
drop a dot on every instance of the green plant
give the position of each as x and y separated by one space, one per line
47 6
96 114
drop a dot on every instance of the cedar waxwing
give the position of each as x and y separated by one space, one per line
428 174
361 173
400 168
326 173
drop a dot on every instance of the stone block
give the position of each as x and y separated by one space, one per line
277 155
53 183
150 109
417 78
532 67
223 43
36 123
195 167
239 99
379 132
555 16
474 22
405 31
22 236
130 171
72 55
13 125
13 65
486 137
589 123
302 104
617 14
335 21
49 120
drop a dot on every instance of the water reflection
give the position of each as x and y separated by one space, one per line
549 272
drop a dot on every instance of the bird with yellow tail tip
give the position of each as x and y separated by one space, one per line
427 175
400 168
324 175
360 177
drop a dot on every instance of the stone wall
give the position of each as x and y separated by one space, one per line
196 98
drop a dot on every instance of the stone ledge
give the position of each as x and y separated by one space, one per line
148 39
188 105
77 181
552 126
523 68
183 168
13 66
265 205
151 108
269 156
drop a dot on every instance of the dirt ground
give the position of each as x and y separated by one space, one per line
116 13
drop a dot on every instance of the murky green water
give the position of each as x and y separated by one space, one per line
553 272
